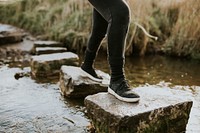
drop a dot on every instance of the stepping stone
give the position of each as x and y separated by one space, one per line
48 65
47 44
10 34
74 82
158 111
11 38
49 50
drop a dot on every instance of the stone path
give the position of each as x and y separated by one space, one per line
49 57
69 88
52 55
48 47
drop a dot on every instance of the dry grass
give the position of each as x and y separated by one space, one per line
157 17
175 22
63 20
185 38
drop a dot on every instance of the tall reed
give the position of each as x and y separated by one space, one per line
185 35
174 22
63 20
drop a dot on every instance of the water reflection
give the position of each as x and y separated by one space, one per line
158 68
154 69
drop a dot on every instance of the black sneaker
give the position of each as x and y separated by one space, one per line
92 74
121 90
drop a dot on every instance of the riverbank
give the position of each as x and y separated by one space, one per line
175 23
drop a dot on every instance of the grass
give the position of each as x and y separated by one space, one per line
185 35
174 22
66 20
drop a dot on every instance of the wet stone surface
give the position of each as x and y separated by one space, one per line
47 44
48 65
75 83
156 112
49 50
47 47
10 34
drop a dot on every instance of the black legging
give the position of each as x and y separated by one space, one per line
111 17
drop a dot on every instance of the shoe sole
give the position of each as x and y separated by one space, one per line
91 77
130 100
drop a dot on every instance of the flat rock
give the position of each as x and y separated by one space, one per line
10 34
45 44
75 83
48 44
158 111
48 65
49 50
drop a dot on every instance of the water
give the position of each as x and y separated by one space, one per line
165 72
156 69
27 105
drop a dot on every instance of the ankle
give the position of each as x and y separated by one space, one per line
117 78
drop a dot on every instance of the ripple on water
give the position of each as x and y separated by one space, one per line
27 106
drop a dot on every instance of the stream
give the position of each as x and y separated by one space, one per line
27 105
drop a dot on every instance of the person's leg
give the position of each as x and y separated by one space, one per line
98 33
117 14
118 28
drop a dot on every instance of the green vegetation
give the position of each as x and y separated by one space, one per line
62 20
174 22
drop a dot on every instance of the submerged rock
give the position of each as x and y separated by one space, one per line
163 111
75 83
49 50
48 65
